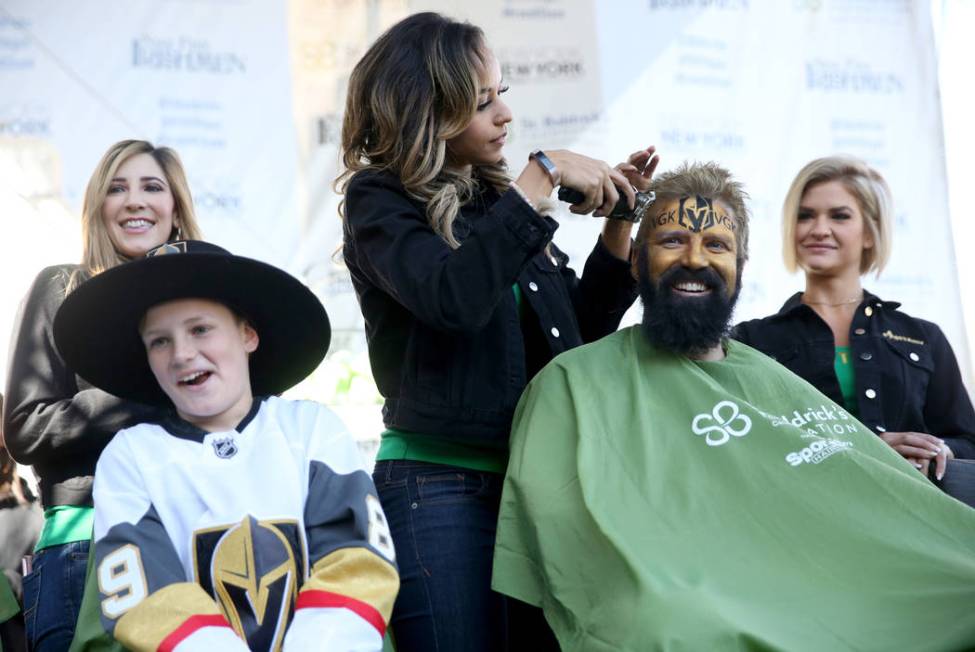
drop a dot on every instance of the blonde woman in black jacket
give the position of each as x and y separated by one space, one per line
896 373
137 198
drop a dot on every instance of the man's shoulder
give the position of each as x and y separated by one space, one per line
607 351
752 365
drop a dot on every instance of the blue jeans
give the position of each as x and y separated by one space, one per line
443 520
52 596
959 480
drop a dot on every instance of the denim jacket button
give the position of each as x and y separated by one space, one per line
915 357
533 286
868 311
859 331
870 393
880 429
866 355
554 331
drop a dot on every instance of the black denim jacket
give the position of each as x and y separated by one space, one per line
907 377
449 351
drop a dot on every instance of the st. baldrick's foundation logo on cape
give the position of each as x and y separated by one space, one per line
724 422
252 569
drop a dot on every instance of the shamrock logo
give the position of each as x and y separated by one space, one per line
727 420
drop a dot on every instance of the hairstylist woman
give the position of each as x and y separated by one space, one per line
464 298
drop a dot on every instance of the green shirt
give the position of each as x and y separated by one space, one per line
8 602
65 524
688 505
846 376
402 445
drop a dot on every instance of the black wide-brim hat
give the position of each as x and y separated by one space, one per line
97 327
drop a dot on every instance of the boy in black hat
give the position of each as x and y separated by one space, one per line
238 520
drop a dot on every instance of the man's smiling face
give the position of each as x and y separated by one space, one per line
687 268
694 233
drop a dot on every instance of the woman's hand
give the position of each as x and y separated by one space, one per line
639 167
638 170
593 178
920 449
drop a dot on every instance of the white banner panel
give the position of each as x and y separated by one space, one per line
762 87
206 77
251 94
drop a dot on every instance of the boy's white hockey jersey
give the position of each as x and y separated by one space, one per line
270 533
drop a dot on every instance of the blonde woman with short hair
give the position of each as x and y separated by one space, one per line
137 198
895 373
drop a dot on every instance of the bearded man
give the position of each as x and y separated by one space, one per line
672 489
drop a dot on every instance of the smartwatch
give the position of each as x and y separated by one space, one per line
553 172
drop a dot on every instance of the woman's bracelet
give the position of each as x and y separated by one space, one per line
553 172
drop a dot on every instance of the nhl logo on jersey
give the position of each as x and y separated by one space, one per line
225 448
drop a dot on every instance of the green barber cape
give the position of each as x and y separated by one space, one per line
89 633
9 607
654 502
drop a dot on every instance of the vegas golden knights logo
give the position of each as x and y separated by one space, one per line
253 570
699 216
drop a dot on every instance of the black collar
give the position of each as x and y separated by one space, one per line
177 427
794 304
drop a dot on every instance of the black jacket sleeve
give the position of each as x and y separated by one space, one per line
454 290
947 408
604 293
46 415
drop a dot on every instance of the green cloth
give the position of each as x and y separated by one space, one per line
686 505
65 524
8 602
89 634
846 375
401 445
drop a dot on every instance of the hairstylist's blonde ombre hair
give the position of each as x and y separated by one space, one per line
867 187
413 90
98 252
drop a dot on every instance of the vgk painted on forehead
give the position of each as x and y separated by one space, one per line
696 214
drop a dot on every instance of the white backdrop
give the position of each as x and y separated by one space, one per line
250 92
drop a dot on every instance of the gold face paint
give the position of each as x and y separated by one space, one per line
696 233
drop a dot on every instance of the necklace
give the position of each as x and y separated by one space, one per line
856 299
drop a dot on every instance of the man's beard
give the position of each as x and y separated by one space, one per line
681 324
